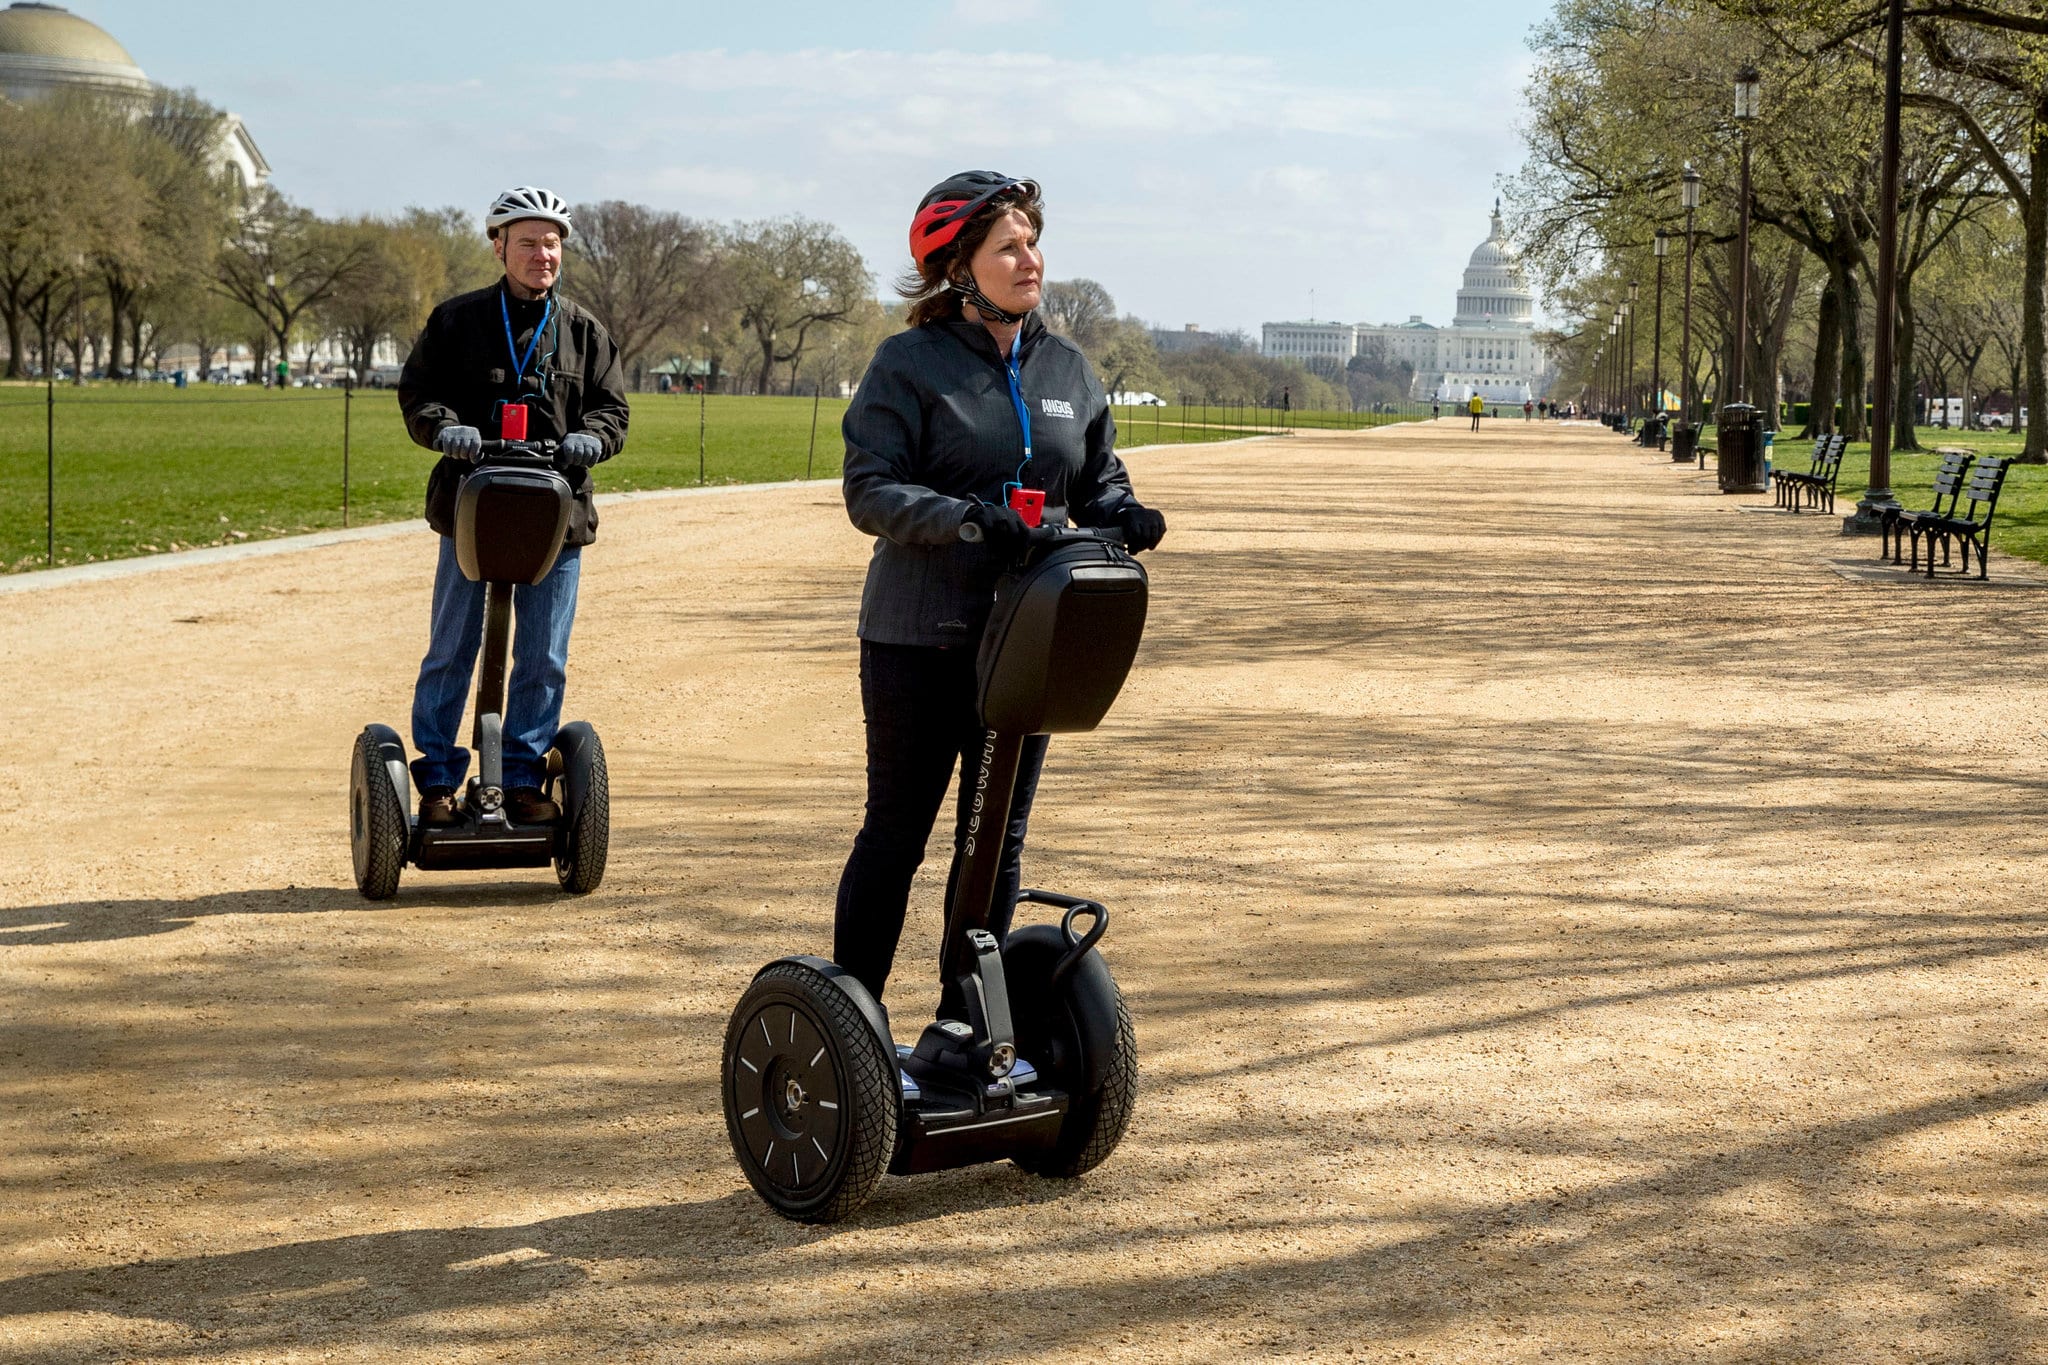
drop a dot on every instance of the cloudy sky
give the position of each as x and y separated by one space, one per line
1211 162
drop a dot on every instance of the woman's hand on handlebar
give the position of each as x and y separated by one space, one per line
1142 528
1000 528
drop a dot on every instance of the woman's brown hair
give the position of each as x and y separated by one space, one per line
928 286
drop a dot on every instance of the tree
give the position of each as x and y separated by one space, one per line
789 275
1080 310
1125 358
282 261
65 197
400 279
640 272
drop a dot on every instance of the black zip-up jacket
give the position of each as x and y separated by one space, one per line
931 431
460 370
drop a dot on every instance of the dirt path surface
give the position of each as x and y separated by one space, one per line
1562 920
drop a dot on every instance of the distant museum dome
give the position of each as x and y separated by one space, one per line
44 48
1495 292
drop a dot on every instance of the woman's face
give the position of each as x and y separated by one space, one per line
1007 265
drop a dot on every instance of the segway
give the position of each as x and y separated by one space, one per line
821 1100
510 517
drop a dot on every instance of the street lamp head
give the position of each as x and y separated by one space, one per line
1748 81
1689 188
1633 287
1662 245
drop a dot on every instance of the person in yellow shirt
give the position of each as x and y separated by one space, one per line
1476 407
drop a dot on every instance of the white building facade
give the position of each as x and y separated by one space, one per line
1489 349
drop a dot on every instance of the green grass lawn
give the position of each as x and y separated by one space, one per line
2021 526
145 470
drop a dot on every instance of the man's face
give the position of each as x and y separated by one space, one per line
531 250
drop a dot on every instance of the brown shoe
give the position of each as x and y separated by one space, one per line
530 806
437 807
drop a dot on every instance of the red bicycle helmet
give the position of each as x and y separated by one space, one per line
949 205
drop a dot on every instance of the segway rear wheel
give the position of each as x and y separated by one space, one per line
376 814
585 837
810 1095
1079 1036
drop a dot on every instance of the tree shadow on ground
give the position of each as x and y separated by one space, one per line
105 921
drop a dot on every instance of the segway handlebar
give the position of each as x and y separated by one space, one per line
518 451
1049 535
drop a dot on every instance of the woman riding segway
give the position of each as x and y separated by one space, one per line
973 412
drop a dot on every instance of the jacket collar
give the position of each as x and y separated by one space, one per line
975 337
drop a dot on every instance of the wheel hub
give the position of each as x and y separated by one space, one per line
793 1098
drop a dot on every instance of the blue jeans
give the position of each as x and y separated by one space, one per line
542 615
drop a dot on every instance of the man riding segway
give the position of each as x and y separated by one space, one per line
511 362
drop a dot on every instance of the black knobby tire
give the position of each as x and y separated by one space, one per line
810 1095
376 821
580 858
1081 1039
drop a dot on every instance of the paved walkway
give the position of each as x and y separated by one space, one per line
1561 916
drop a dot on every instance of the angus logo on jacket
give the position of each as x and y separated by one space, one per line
1056 407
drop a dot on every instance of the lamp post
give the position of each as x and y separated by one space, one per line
1739 452
1868 518
1661 248
1614 329
1634 395
1747 83
1685 440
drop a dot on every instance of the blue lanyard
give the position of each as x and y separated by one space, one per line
1017 398
519 363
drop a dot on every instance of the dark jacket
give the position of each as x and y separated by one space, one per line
932 430
460 370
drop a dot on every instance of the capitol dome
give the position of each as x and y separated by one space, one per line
1496 292
44 49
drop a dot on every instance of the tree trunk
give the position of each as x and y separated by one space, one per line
1827 364
2034 291
1855 380
1903 393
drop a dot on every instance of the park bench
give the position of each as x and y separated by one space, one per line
1903 524
1973 529
1817 484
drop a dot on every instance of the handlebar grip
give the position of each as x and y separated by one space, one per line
970 532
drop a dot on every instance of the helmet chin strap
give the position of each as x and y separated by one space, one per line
982 304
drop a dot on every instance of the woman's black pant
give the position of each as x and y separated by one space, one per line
921 721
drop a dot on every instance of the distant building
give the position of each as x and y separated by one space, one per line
44 49
1489 349
1189 338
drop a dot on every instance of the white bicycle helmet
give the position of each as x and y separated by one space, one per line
527 201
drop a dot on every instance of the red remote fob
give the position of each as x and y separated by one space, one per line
1028 503
512 422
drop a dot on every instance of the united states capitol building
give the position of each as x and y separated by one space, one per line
1489 349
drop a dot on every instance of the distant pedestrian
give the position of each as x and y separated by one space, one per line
1477 407
1528 409
1436 411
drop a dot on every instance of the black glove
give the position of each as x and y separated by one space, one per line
1143 528
999 528
459 442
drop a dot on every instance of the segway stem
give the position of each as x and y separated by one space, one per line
490 683
981 854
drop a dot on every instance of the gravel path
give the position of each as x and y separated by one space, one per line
1563 919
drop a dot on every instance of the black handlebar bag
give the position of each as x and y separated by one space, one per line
1061 638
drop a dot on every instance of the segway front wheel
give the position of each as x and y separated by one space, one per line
810 1094
1078 1034
585 837
376 813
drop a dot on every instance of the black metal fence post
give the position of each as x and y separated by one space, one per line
816 397
702 398
348 400
49 464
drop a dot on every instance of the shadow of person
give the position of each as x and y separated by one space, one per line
103 921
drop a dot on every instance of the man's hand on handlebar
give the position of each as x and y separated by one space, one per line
459 443
581 449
